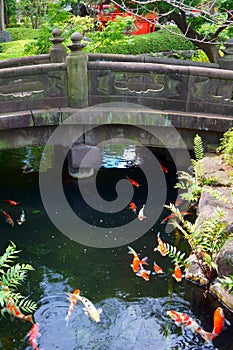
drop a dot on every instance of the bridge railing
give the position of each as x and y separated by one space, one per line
79 80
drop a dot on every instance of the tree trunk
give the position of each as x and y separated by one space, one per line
2 24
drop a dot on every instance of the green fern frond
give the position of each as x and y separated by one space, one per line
9 255
15 275
176 255
227 282
216 194
198 147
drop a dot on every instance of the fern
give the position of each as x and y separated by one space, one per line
198 147
216 194
190 184
227 281
11 277
176 255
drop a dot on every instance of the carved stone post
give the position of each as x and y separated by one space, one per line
226 62
57 51
77 72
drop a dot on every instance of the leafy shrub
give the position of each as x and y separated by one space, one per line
200 56
13 49
19 33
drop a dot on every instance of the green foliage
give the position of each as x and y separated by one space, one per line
227 282
176 255
11 277
190 184
226 146
198 147
20 33
12 49
200 56
204 242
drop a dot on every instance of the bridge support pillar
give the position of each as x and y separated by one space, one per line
83 160
77 73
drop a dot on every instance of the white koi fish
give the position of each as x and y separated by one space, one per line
89 307
22 218
141 215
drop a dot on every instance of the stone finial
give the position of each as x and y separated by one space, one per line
76 45
226 62
57 39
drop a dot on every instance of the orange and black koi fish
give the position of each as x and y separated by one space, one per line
14 311
133 182
219 321
33 334
157 269
183 320
136 261
177 273
11 202
133 207
9 219
172 215
73 300
161 246
141 215
145 274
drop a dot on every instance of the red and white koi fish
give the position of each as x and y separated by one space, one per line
89 308
183 320
177 273
219 321
145 274
133 207
22 218
165 170
14 311
136 261
141 215
157 269
33 334
161 246
133 182
11 202
73 300
172 215
9 219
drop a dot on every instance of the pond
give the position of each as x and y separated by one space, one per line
133 310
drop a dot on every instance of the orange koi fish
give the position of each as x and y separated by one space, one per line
165 170
145 274
33 334
219 321
161 246
14 311
133 182
11 202
177 273
136 261
9 219
172 215
157 269
141 215
183 320
73 300
133 207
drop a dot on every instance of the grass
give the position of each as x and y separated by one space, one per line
13 49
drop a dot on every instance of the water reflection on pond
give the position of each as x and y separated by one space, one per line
134 311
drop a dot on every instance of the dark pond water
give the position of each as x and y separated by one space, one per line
134 311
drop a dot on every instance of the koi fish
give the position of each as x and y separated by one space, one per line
9 219
14 311
133 182
172 215
89 308
177 273
136 261
161 246
219 321
183 320
165 170
141 215
157 269
22 218
11 202
133 207
178 201
145 274
73 300
33 334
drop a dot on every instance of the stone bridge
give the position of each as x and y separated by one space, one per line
119 93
